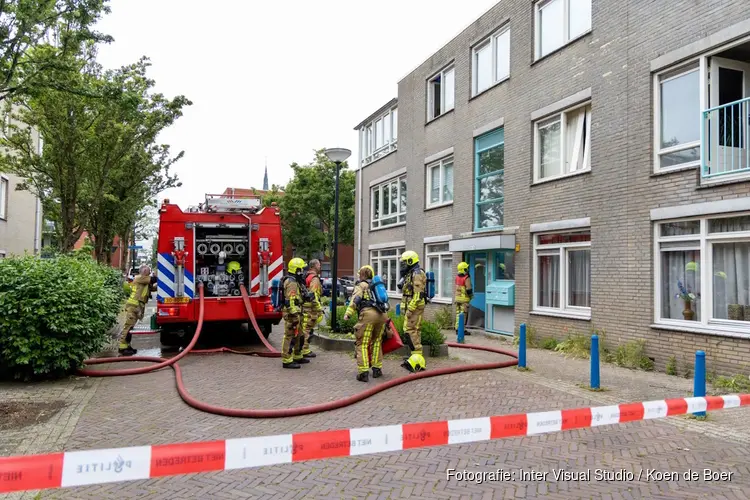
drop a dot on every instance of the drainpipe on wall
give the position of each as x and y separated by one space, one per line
359 216
37 226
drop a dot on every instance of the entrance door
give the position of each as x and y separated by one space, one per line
478 274
729 120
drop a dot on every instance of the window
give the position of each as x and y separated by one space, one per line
440 182
388 203
562 273
441 93
702 273
563 144
386 264
489 160
559 22
677 104
440 262
505 265
379 137
491 61
3 197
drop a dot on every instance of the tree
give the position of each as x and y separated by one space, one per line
37 35
307 207
100 164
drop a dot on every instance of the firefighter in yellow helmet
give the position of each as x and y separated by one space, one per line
463 292
134 309
412 284
294 295
368 332
312 311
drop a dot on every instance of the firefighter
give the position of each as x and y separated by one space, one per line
135 308
412 285
368 332
463 292
294 293
312 311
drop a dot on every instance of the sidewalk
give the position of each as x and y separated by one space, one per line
621 385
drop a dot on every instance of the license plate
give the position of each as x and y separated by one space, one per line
176 300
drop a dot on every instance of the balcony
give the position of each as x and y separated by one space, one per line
725 147
381 152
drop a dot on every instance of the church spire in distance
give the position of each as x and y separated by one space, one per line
265 177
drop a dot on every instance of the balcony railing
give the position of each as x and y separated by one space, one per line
725 141
380 152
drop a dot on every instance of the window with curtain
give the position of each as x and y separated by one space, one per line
489 168
388 203
385 263
562 273
563 144
703 272
440 262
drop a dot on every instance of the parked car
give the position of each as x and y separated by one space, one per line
344 287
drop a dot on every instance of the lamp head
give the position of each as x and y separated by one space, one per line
338 155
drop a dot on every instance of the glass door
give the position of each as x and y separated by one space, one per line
478 274
729 118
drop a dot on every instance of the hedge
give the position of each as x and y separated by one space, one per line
54 314
430 332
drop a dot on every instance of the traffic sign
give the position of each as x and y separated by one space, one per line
136 247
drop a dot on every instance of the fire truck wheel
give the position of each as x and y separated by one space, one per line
172 338
265 328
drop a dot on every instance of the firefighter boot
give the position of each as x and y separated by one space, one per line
377 373
363 377
291 364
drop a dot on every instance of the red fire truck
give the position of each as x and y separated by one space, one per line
226 242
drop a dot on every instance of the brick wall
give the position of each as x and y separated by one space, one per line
619 192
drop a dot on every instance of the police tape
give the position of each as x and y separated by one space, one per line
80 468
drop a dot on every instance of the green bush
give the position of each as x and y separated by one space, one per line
444 318
344 326
633 355
549 343
54 314
431 334
531 336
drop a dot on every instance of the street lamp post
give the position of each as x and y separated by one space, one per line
338 156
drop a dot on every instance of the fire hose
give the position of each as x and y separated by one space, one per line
273 353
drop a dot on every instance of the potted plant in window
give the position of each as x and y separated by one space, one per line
688 297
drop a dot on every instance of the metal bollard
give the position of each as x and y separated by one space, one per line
699 382
522 346
398 309
595 361
461 327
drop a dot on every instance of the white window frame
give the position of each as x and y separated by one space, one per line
561 250
400 214
566 27
491 39
562 117
4 195
392 260
441 296
440 165
704 243
368 136
675 72
430 92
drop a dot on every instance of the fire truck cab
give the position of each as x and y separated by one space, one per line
226 242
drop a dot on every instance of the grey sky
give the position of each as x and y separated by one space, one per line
275 79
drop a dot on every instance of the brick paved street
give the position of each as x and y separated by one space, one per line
146 409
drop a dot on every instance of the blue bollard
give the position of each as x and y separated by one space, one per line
461 327
398 309
334 305
522 346
699 383
595 361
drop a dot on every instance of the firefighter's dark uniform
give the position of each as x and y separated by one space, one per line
312 311
368 332
292 313
134 310
463 292
413 302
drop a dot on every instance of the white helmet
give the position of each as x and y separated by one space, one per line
222 256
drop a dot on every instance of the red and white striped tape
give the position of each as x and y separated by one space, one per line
79 468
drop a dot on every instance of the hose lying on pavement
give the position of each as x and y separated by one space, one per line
273 353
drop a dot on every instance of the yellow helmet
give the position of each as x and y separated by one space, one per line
462 267
296 266
691 266
410 257
233 266
369 270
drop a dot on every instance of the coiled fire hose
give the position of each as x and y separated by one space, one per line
273 353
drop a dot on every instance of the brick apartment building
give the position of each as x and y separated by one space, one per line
588 159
